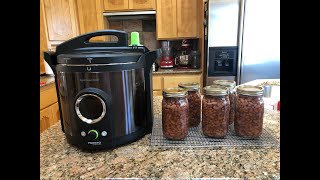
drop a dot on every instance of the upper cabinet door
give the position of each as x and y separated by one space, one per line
60 19
142 4
90 16
187 18
166 19
43 40
116 5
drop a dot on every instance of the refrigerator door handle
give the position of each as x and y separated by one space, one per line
240 38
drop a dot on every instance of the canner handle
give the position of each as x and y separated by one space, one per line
150 58
82 41
51 58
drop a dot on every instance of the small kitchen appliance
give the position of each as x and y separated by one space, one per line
167 55
104 90
183 58
195 59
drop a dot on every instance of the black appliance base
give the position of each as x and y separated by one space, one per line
115 142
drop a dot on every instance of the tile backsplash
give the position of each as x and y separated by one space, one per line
146 29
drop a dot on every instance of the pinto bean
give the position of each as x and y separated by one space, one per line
194 99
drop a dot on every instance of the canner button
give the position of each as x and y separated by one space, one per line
83 133
104 133
93 133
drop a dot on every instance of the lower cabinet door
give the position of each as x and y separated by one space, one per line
157 93
46 118
55 112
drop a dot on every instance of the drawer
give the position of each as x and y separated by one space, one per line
115 5
48 96
55 112
46 118
157 83
157 93
142 4
174 81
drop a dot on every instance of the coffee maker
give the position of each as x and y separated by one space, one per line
183 58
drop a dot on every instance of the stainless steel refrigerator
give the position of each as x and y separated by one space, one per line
242 40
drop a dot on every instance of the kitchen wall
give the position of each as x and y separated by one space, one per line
146 29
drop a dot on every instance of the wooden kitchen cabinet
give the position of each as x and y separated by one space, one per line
142 4
129 5
46 118
48 96
49 116
90 17
172 80
177 19
55 112
157 85
65 19
42 66
116 5
157 82
166 19
157 92
43 40
187 18
61 20
49 108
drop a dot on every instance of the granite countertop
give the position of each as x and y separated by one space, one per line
60 160
177 71
262 82
48 79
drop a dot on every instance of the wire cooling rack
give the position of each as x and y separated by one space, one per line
196 139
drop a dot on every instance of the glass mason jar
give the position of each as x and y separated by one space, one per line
249 111
215 111
230 85
175 113
194 99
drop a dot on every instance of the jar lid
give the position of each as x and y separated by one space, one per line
250 90
226 83
174 92
215 90
190 86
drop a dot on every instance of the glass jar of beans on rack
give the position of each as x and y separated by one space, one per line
175 113
194 99
215 111
249 111
230 85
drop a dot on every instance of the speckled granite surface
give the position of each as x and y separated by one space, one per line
58 160
177 71
262 82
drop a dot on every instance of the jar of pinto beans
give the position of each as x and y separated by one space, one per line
249 111
194 99
215 111
230 85
175 113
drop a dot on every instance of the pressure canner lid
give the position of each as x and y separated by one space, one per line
99 57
